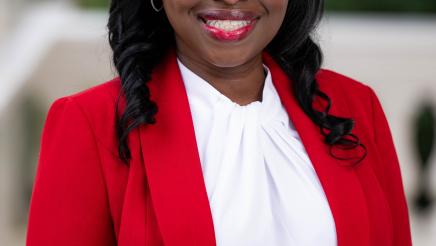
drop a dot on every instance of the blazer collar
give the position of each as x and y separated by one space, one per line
173 169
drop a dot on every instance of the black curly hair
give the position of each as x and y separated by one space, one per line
139 37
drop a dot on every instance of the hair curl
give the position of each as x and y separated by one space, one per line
139 37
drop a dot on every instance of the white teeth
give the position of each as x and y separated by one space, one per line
227 25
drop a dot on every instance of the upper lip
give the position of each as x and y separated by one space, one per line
231 14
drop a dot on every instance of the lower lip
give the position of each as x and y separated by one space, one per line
228 36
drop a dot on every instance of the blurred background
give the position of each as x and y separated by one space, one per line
51 48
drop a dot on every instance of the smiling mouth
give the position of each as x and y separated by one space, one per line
225 25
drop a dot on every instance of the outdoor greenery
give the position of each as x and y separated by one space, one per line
93 3
428 6
421 6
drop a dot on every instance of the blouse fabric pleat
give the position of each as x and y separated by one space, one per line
261 185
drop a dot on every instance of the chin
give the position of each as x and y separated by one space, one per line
226 59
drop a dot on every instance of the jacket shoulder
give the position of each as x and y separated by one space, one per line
342 88
98 105
332 80
349 97
98 94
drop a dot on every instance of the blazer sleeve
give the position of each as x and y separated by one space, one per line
391 180
69 205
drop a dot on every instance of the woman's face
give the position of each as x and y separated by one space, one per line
224 33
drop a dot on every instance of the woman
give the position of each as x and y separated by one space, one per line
221 129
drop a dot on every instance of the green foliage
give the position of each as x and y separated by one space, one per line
425 6
93 3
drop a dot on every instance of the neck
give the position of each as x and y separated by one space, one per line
242 84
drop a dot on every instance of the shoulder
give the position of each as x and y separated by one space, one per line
96 102
349 97
99 96
339 83
96 105
344 89
354 99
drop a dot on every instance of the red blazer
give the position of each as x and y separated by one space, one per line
84 195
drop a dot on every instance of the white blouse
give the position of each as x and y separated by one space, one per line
262 187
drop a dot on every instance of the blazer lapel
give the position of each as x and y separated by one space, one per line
175 178
340 183
172 162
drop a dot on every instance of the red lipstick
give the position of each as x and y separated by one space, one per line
217 24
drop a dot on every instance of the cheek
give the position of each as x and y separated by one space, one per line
276 4
277 8
179 12
179 7
277 12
